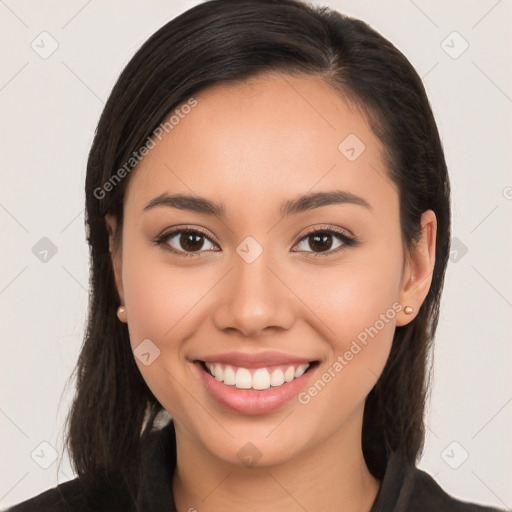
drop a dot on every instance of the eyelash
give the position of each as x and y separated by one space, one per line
348 241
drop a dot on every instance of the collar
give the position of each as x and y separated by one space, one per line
158 460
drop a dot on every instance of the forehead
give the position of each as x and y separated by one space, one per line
274 135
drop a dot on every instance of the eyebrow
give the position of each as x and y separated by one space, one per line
291 207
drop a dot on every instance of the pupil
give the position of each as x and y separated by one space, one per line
322 239
191 241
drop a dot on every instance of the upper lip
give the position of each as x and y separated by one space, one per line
258 360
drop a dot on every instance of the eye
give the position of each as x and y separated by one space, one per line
191 242
322 243
185 242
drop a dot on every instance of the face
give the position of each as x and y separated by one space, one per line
227 305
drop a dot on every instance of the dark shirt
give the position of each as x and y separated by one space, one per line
403 489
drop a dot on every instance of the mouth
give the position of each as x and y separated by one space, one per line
254 390
257 379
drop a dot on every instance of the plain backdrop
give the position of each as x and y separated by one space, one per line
50 105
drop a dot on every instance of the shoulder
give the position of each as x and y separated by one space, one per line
427 495
63 498
69 497
112 493
406 488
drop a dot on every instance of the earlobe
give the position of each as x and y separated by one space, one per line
419 268
121 314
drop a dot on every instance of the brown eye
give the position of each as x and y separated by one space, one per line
186 242
191 241
325 242
320 242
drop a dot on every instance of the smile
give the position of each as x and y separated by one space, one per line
256 378
261 386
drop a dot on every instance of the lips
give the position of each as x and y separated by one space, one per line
257 360
254 383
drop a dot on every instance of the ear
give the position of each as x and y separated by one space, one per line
115 254
419 266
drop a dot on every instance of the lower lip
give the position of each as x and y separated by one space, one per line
252 401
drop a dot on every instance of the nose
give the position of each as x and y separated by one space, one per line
254 299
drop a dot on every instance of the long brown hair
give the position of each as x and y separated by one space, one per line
220 41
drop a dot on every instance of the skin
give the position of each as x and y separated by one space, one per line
251 145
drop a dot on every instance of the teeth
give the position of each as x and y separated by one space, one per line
289 374
260 379
243 378
299 372
277 378
229 376
218 372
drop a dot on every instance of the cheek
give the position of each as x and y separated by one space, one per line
360 308
358 305
149 301
160 300
161 304
357 295
165 304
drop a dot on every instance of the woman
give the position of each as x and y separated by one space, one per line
268 214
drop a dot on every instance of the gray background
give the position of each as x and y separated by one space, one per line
50 105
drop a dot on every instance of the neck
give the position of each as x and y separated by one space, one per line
331 476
